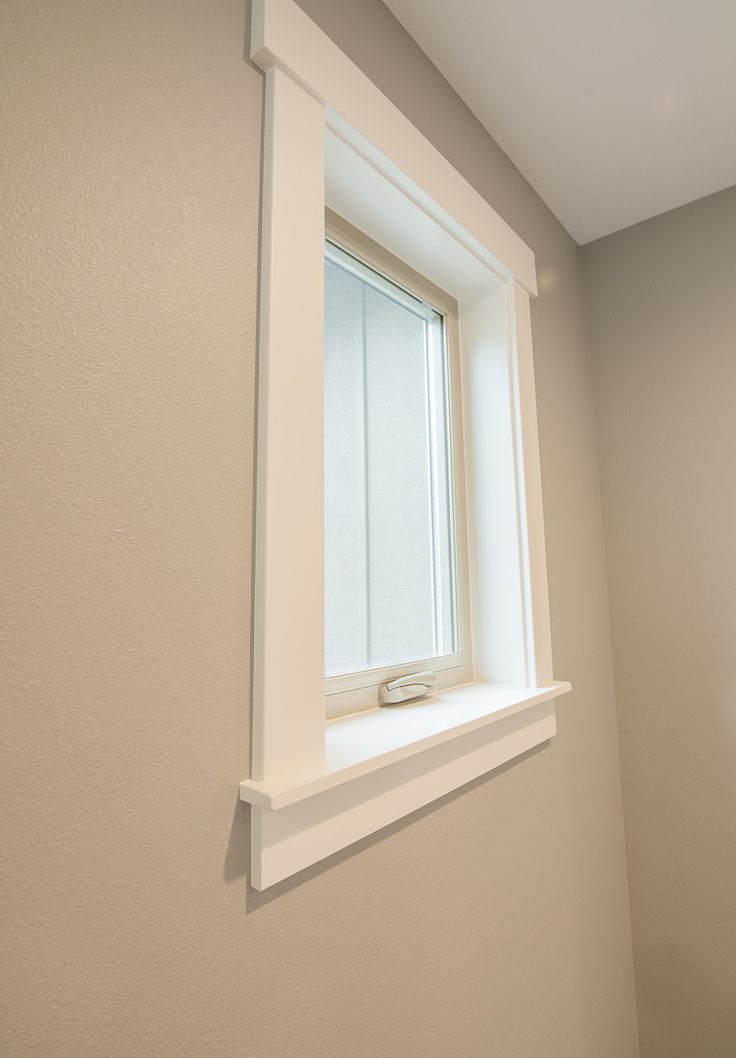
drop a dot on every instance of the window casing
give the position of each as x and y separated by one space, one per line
332 139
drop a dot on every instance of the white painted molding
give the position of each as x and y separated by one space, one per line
306 831
284 36
533 553
365 742
289 530
332 138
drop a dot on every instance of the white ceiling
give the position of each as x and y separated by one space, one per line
614 111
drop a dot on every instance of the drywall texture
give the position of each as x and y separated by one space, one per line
494 923
662 319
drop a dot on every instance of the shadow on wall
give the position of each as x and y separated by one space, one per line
685 1010
237 855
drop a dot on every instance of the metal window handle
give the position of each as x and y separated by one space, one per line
405 688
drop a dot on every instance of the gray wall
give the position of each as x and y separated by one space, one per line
662 317
494 923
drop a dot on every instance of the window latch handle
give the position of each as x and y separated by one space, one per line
406 688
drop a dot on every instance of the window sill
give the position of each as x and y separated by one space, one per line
364 742
384 763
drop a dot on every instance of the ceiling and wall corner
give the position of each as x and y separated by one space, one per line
613 112
662 326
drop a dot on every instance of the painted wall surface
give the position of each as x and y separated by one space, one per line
494 923
662 317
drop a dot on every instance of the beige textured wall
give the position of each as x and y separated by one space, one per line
662 317
494 923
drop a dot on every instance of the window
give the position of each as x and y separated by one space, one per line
395 531
333 141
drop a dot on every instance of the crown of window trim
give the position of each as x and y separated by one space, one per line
283 36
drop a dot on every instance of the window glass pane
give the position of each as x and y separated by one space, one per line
389 575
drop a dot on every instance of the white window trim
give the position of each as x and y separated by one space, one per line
332 138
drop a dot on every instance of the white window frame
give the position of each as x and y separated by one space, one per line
331 138
349 693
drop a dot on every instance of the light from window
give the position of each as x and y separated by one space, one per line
390 593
